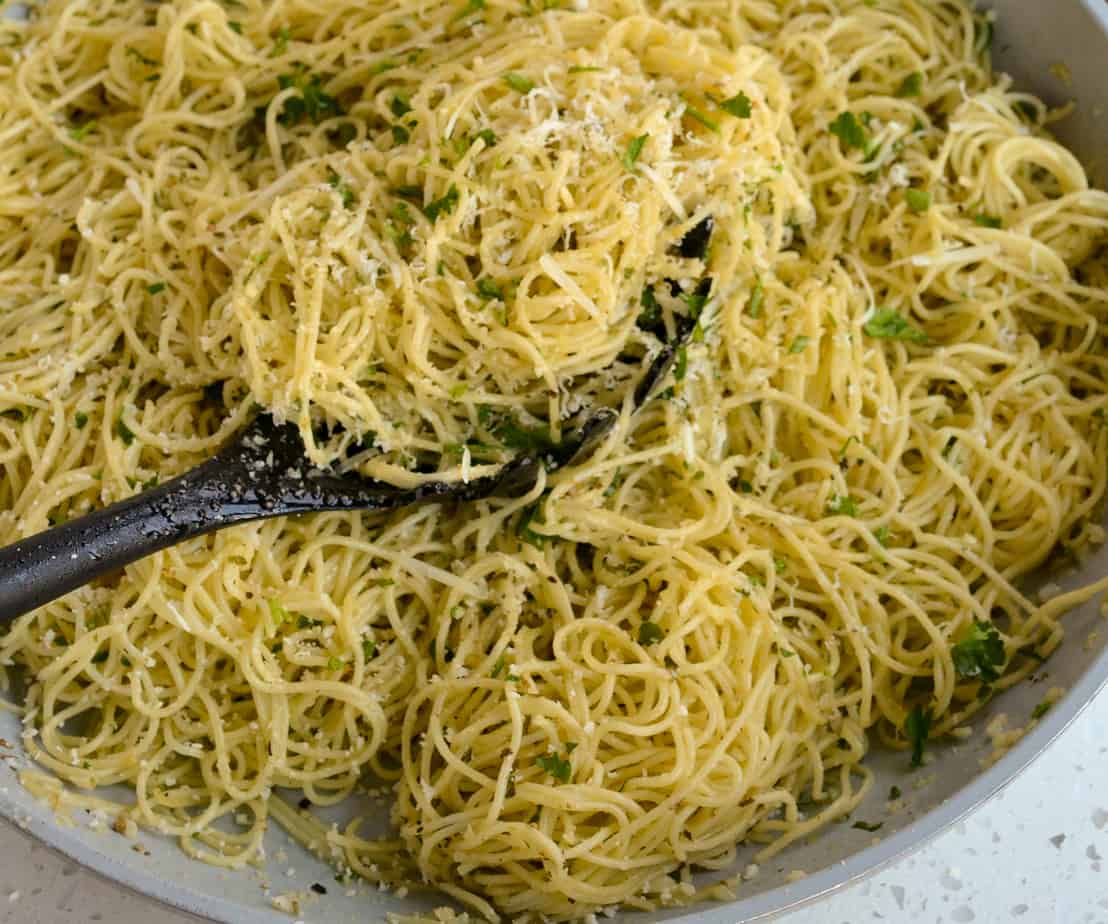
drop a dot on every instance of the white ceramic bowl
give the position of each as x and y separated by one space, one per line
1031 36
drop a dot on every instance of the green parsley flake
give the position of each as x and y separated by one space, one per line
634 149
698 116
400 105
532 514
651 313
988 221
919 200
278 613
443 205
312 102
519 83
979 653
850 132
489 290
80 419
799 344
738 105
234 26
757 297
78 132
369 649
1040 710
123 431
889 324
866 826
912 85
681 363
917 727
340 186
650 633
842 505
335 664
558 768
473 6
156 288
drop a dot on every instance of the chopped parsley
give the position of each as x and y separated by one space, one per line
799 344
340 186
988 221
851 133
80 419
889 324
281 43
738 106
335 664
156 288
919 200
881 534
1040 710
867 826
532 514
894 793
78 132
582 69
498 667
473 6
518 436
312 102
443 205
557 767
234 26
369 649
634 149
912 85
697 299
979 653
681 363
400 106
123 431
757 297
487 135
982 35
842 505
489 289
917 727
650 633
697 116
519 83
398 226
278 613
651 313
400 134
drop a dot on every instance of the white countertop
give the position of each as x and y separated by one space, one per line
1037 853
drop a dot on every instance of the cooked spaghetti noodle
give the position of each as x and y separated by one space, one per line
431 233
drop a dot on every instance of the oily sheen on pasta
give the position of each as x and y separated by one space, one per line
432 233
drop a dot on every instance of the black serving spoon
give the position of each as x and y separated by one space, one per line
262 472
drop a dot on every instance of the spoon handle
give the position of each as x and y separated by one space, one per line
260 473
42 567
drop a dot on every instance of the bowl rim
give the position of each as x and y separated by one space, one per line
763 906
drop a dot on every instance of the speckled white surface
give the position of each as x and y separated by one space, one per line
1035 854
